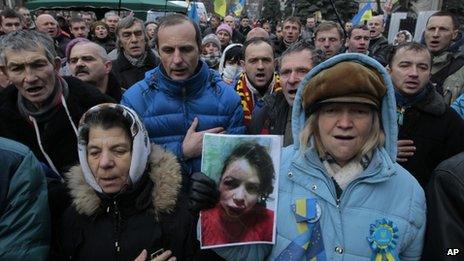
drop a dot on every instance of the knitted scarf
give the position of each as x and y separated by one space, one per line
403 102
137 62
246 94
212 59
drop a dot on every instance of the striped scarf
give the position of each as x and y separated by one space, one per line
247 96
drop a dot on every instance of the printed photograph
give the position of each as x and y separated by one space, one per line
245 168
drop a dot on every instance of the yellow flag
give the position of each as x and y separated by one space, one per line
220 7
367 15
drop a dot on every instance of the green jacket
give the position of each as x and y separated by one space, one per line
453 84
24 213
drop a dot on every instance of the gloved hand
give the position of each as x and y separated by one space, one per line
203 192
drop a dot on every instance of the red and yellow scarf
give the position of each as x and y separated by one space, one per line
246 95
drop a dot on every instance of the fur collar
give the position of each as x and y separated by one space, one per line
164 171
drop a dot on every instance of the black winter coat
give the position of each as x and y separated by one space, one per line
151 215
379 49
57 135
445 211
272 117
437 132
127 74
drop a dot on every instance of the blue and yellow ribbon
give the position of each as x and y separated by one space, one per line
309 244
382 240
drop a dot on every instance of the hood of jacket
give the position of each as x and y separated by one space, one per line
457 44
433 102
222 62
158 79
164 172
388 107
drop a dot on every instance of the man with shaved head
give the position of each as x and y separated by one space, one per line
257 32
47 24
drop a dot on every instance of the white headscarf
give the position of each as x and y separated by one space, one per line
140 144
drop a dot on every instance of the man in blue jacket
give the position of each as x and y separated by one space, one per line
182 98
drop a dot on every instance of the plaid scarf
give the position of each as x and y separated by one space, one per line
247 96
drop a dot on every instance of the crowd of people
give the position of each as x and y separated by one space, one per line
102 123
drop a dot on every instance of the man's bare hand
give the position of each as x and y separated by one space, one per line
406 149
193 141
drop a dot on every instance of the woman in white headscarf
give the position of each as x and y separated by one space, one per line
126 199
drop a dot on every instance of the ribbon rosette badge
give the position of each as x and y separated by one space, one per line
383 236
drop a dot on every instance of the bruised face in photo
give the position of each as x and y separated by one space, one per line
239 188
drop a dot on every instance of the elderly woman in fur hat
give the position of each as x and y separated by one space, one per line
126 200
341 195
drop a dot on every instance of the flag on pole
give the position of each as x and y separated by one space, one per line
220 7
193 13
238 8
365 13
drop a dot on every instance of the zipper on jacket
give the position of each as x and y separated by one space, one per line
184 94
117 228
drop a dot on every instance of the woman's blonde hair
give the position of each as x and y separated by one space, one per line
375 139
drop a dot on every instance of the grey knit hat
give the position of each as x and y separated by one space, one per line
211 38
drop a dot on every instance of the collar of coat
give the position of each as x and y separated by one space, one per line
164 173
190 88
124 64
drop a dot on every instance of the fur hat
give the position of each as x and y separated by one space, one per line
211 38
224 27
97 23
344 82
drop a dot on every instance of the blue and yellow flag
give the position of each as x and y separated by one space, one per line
363 14
220 7
238 8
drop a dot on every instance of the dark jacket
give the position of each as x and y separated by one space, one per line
24 215
106 43
445 211
437 132
237 37
61 41
209 30
113 88
379 49
279 47
57 135
151 215
272 117
244 30
127 74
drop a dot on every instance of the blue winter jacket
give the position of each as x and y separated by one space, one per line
383 191
168 107
458 105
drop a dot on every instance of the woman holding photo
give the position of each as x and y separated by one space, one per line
342 196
